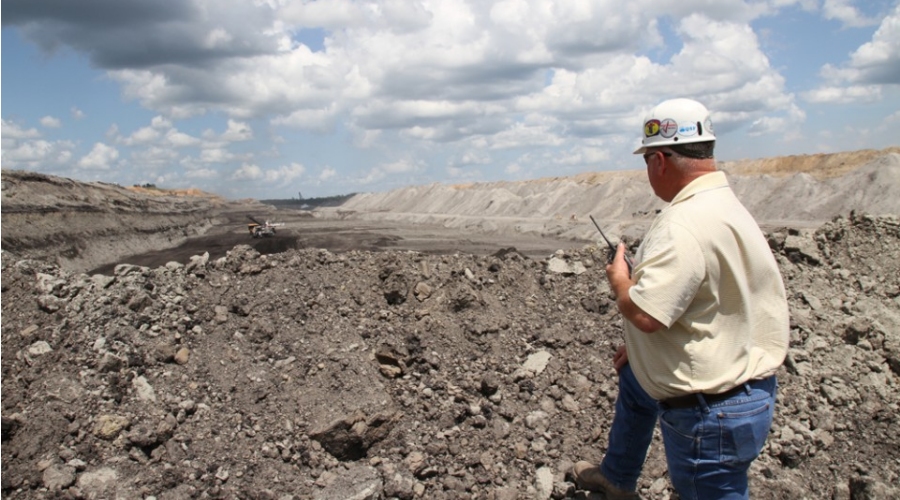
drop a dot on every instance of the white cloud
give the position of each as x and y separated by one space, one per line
35 153
248 172
24 148
878 61
399 167
202 173
181 140
101 157
374 175
846 13
51 122
315 120
844 95
474 157
154 157
143 135
160 123
327 173
553 84
513 168
237 131
216 155
872 65
15 131
285 173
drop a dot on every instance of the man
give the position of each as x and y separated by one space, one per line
706 325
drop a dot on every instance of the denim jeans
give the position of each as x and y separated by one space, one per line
709 448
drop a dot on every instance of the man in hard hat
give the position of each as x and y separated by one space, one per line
706 324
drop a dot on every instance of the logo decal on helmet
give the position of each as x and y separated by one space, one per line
688 130
668 128
651 128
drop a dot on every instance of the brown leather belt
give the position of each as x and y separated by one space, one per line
692 400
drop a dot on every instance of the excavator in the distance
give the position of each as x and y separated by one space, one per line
262 230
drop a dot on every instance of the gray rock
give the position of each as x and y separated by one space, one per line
98 484
543 483
562 266
805 247
357 482
57 477
39 348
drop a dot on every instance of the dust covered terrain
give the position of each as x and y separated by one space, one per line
422 372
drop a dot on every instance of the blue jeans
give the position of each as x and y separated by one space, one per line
709 448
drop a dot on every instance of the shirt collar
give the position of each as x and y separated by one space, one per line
706 182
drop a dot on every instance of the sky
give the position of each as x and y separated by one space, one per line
291 98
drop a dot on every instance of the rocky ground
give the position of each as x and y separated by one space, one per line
357 359
397 374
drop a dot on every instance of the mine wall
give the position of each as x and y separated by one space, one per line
79 226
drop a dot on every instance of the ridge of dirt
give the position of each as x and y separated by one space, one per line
787 191
82 226
820 166
397 374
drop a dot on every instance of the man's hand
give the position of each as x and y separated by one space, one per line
620 358
617 272
620 281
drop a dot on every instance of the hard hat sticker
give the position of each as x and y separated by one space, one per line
651 128
688 130
668 128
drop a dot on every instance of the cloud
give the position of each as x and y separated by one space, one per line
846 13
285 174
146 33
327 173
872 65
76 113
419 71
143 135
247 172
24 148
237 131
844 95
50 122
36 153
101 157
513 168
877 61
178 139
15 131
400 167
471 83
154 157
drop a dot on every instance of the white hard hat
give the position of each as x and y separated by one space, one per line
676 121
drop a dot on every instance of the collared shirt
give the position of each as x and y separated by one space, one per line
705 271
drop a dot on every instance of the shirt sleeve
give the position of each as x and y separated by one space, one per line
670 273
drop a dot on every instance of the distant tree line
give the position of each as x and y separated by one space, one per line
326 201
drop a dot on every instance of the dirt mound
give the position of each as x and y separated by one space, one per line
796 191
820 166
82 226
312 374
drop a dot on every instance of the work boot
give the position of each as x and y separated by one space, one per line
588 477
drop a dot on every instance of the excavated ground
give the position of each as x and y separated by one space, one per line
412 372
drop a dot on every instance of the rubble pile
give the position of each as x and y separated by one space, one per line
312 374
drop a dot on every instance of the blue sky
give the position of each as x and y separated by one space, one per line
276 98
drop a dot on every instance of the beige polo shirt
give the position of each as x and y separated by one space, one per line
705 271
